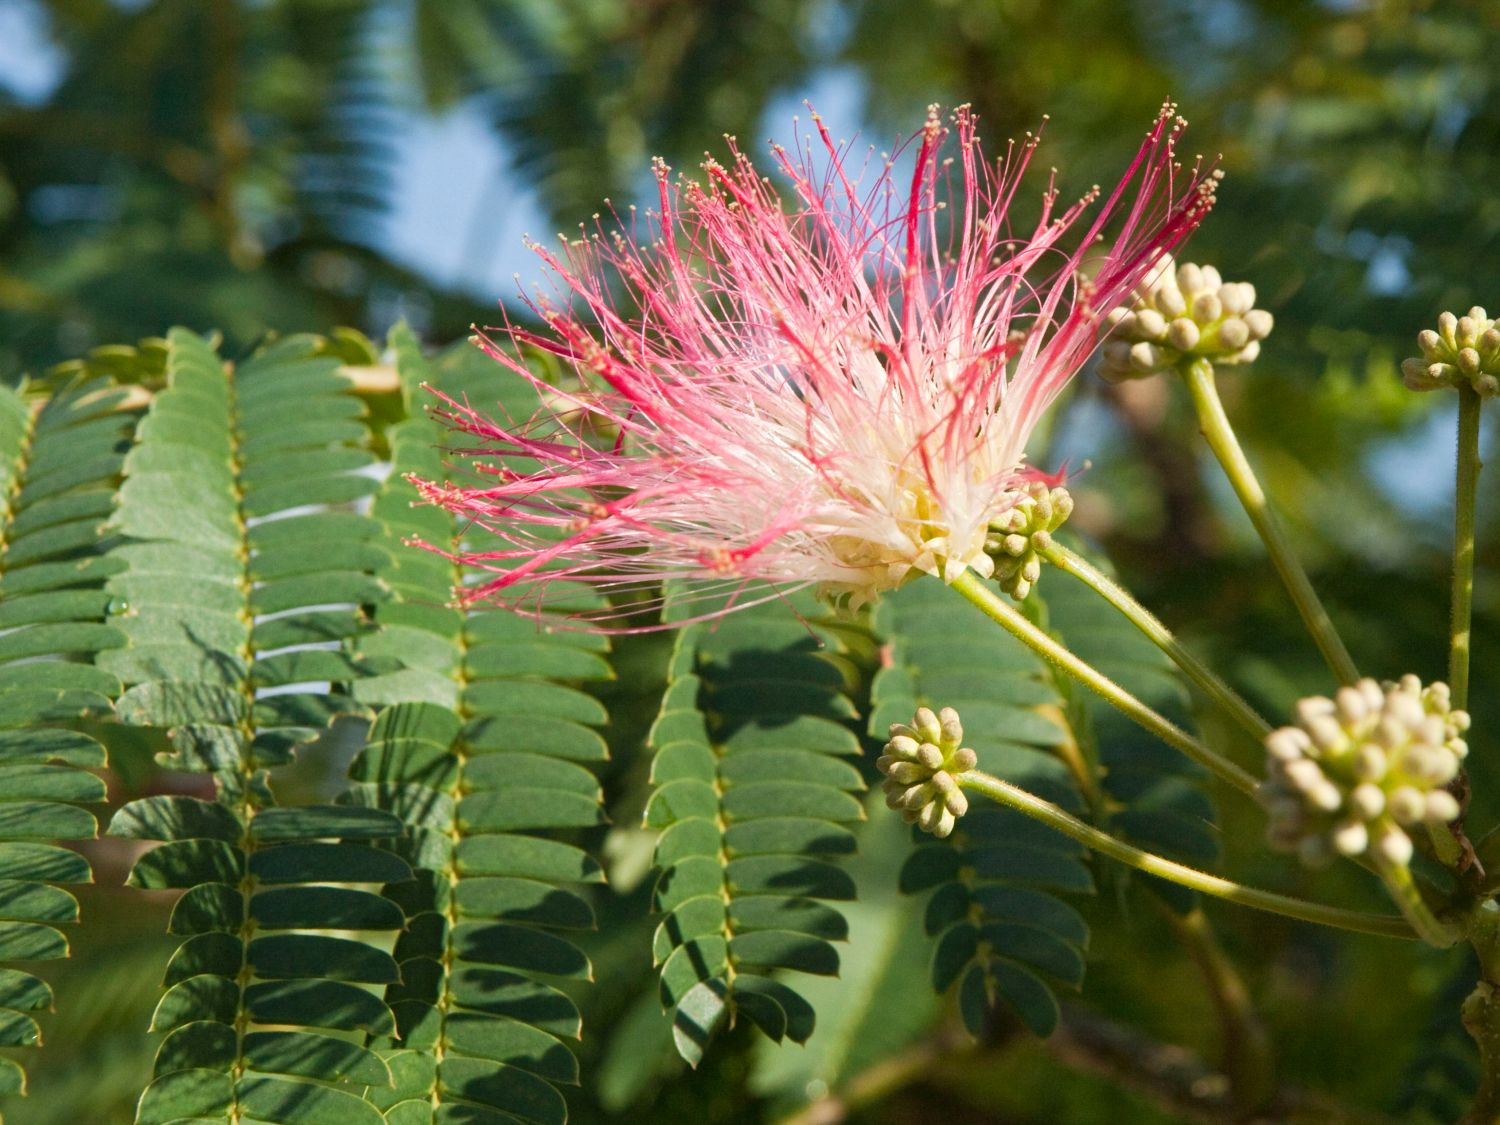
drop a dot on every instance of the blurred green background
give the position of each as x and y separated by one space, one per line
265 166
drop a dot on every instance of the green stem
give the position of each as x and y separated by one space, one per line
1402 885
1481 1014
1465 489
997 609
1216 428
1466 486
1144 620
1103 843
1481 1018
1248 1058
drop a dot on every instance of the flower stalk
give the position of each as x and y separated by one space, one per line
1199 375
1481 1014
1102 842
1247 1054
997 609
1402 885
1466 486
1225 697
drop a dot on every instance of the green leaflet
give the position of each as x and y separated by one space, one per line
1001 933
58 469
751 791
206 1093
481 743
880 1003
197 514
1160 801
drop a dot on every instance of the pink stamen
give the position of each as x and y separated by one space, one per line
780 395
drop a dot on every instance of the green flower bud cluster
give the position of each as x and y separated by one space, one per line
1021 531
1464 349
1360 769
919 764
1184 311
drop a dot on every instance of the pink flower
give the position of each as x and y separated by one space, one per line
837 393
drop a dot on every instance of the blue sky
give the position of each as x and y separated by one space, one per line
29 64
448 168
459 216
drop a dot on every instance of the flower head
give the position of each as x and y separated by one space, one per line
832 390
1360 769
1020 533
1464 349
919 765
1183 312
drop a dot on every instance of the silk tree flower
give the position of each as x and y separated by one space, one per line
834 389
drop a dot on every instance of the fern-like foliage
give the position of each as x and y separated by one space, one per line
1002 933
881 1003
59 464
409 953
1154 796
238 609
752 795
342 134
142 362
482 744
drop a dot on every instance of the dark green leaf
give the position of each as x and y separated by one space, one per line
782 949
327 863
31 941
523 900
197 998
527 857
327 908
506 1088
509 1041
184 1095
698 1016
318 1003
43 862
519 948
287 956
314 1056
35 902
171 817
313 821
302 1103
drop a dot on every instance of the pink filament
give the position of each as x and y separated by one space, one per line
778 376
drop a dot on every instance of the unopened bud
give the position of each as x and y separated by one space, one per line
1442 806
1237 297
1022 531
1150 325
1185 311
920 778
1171 302
1146 357
1464 350
1234 334
1207 308
1357 770
1395 846
1351 838
1183 334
